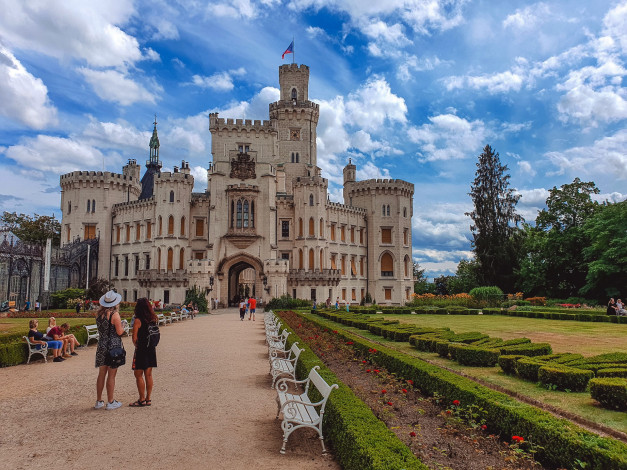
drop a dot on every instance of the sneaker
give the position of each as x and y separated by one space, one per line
58 359
98 405
113 405
74 354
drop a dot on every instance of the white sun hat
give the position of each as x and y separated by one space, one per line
110 299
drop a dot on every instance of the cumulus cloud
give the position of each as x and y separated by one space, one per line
221 81
120 135
526 168
412 64
256 108
387 39
501 82
371 171
111 85
24 97
448 137
245 9
528 18
373 104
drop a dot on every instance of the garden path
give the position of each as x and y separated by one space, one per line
212 408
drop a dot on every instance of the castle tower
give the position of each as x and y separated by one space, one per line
153 165
296 116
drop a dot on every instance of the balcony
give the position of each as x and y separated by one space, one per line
162 278
326 277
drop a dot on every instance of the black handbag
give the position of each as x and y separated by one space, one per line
115 357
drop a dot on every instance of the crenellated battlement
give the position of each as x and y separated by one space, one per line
242 187
382 186
291 68
176 177
289 106
306 181
98 178
238 125
133 205
338 207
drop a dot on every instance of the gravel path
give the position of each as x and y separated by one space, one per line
212 408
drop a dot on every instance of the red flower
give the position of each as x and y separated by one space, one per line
376 371
374 350
456 402
448 412
367 370
335 331
404 390
370 350
410 382
518 439
390 403
364 362
412 434
349 342
484 427
384 391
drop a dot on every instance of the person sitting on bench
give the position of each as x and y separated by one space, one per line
37 337
60 334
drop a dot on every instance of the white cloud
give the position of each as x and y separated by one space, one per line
387 39
200 178
501 82
24 97
588 106
615 23
532 197
374 104
72 29
528 18
256 108
448 137
371 171
164 30
234 9
526 168
120 135
315 31
412 63
221 81
111 85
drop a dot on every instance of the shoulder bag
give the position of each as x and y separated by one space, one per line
115 357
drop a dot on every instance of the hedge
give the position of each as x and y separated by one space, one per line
507 362
360 440
468 355
612 373
610 392
560 442
565 378
528 349
528 368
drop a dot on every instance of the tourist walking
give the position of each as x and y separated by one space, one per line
242 309
145 357
252 307
110 331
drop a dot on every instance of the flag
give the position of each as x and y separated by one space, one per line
289 50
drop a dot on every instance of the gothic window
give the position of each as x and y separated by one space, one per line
405 232
126 265
388 210
285 228
117 266
300 259
383 211
148 230
245 214
182 226
147 261
321 260
311 259
294 94
200 227
321 228
88 205
387 265
69 207
93 205
171 196
171 225
311 200
181 258
404 211
293 157
252 214
160 226
300 227
406 265
138 232
361 266
159 259
239 214
136 264
128 234
170 259
232 212
311 227
297 157
352 234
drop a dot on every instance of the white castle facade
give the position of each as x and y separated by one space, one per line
264 226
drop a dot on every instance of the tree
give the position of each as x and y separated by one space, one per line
36 229
495 221
97 288
607 252
466 277
421 283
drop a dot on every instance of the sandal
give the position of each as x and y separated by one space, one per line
137 403
147 403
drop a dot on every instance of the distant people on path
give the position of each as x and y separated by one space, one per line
37 307
337 303
78 307
36 337
612 309
145 357
314 304
27 306
252 307
242 309
328 303
110 330
217 301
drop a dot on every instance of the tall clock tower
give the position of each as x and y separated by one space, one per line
297 117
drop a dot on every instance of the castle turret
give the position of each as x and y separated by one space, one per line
153 166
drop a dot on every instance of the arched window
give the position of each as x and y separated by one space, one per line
160 226
388 210
93 205
311 259
171 225
232 213
311 200
406 265
293 157
300 227
383 211
321 260
404 211
158 259
321 234
252 214
387 265
300 259
170 259
181 258
294 94
297 157
245 214
239 214
88 205
69 207
171 196
182 226
311 227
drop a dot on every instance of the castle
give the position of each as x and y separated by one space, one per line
264 226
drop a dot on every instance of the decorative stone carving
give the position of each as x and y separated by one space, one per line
242 167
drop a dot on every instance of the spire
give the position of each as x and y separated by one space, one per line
154 145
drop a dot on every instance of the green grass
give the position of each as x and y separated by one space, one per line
582 337
20 325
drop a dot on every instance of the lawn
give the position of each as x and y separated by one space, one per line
20 325
565 336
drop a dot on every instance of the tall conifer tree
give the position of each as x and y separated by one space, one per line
494 221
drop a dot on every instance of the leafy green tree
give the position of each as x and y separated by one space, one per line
495 221
421 283
606 253
97 288
36 229
466 277
195 295
441 284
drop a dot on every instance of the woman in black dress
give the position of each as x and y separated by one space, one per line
145 357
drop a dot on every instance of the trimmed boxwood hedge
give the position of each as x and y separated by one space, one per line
561 442
565 378
610 392
528 368
507 362
530 349
468 355
622 372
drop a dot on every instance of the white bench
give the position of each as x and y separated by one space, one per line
286 365
278 342
92 333
174 316
298 410
36 349
162 320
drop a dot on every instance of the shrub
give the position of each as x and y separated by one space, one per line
528 368
59 299
441 347
528 349
196 296
612 373
610 392
489 295
507 362
565 378
472 356
536 300
469 337
285 302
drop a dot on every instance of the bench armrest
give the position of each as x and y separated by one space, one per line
282 384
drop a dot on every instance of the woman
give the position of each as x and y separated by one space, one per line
36 337
110 330
611 307
145 357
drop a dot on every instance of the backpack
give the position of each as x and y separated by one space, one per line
154 335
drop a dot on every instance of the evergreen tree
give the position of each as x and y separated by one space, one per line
495 221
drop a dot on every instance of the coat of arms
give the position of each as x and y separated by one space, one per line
243 167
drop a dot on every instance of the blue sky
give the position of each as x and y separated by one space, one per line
409 89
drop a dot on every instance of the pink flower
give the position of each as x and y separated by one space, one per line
412 434
456 402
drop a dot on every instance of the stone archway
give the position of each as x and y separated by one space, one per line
243 275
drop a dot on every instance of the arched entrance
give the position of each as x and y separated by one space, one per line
241 280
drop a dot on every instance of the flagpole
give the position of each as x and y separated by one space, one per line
293 50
